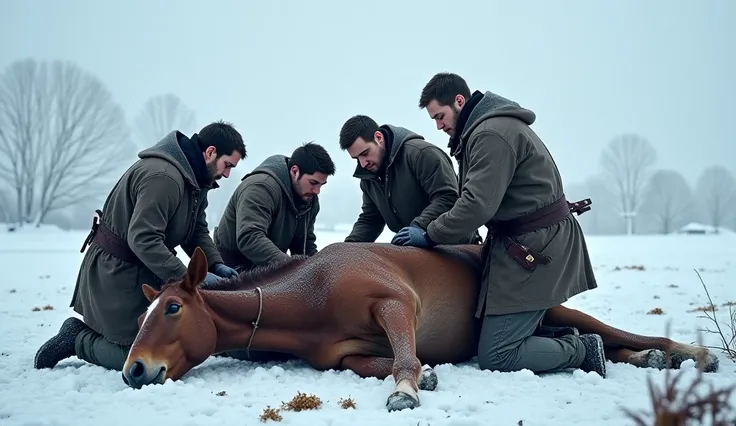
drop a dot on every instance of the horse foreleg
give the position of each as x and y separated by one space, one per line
380 368
399 323
635 349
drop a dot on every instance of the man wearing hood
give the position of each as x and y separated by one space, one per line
405 180
535 254
274 209
159 203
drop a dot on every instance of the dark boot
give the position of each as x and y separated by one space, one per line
595 357
60 346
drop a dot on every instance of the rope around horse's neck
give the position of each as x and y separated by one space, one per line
256 321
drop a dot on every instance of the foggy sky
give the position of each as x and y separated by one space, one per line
287 72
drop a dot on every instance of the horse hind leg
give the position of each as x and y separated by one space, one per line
646 351
648 358
398 321
703 358
380 368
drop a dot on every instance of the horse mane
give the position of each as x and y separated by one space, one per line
249 278
263 272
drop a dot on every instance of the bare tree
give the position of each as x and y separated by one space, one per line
159 116
24 108
64 133
4 207
717 191
626 165
668 200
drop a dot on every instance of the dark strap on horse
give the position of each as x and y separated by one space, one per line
108 241
542 218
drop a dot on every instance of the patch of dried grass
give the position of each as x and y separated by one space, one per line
673 407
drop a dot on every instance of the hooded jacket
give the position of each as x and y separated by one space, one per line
416 184
156 206
263 218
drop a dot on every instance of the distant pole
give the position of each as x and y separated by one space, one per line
629 218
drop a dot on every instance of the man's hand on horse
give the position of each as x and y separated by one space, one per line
224 271
412 236
210 280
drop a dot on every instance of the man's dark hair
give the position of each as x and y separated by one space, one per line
223 137
359 126
443 88
311 158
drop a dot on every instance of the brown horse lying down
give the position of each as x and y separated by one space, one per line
376 309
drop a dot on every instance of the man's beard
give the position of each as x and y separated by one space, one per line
212 171
456 113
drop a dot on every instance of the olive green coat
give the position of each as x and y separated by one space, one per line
419 184
156 206
263 220
506 171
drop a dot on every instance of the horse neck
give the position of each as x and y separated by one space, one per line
234 313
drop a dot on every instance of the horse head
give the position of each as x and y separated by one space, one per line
176 333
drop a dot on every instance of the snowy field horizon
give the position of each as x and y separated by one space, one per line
646 284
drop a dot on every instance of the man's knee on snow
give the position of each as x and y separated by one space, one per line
503 361
94 348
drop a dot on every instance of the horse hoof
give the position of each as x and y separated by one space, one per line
427 379
655 358
709 365
401 400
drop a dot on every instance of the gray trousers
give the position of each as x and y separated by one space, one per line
96 349
507 343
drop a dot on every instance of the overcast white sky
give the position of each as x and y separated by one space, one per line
286 72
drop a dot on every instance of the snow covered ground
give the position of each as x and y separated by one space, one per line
635 275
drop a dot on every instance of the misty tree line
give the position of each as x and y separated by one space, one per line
64 139
631 192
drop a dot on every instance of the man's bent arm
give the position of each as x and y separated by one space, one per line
156 199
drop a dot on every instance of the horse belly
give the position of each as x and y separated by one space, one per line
447 336
329 354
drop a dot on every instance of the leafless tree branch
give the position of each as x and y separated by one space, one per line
23 110
88 136
626 164
159 116
717 190
668 199
63 133
4 207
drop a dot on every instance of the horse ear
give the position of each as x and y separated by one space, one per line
149 292
196 270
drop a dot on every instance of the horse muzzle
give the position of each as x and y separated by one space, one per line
140 373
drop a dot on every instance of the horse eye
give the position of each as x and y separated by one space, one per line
172 309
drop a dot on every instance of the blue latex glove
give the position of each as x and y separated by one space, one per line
224 271
412 236
210 279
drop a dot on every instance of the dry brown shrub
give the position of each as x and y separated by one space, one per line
270 414
673 407
346 403
301 402
727 337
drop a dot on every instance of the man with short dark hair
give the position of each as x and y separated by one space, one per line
158 203
405 180
274 209
535 255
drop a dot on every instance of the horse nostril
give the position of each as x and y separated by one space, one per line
137 370
125 379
